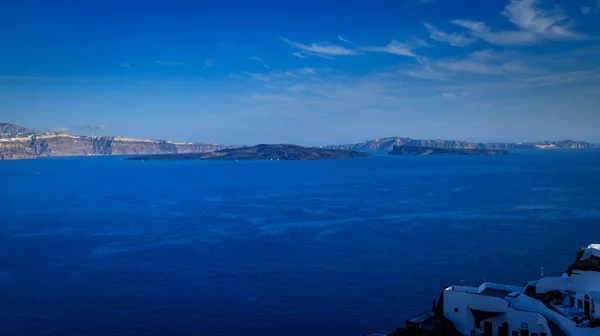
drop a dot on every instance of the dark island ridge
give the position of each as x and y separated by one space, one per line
262 152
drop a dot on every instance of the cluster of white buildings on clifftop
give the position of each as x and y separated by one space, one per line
552 306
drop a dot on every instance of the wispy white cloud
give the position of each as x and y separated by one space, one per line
341 38
394 47
174 64
484 62
523 14
532 25
453 39
125 65
318 55
299 55
481 62
426 71
482 31
417 43
326 50
256 58
449 95
405 48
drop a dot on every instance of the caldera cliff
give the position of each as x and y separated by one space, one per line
21 143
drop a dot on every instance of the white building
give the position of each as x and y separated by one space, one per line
552 306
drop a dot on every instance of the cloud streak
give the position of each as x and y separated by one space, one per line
532 24
453 39
484 62
426 71
299 55
394 47
325 50
341 38
524 15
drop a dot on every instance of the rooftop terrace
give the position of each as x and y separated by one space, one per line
489 289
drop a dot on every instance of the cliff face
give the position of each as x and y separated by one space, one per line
377 144
49 145
413 150
388 144
60 145
16 150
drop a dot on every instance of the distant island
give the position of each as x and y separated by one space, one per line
387 144
413 150
262 152
18 143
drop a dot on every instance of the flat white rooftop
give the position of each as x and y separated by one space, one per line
489 289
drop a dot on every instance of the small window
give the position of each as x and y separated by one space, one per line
456 310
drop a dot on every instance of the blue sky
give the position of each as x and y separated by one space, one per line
307 72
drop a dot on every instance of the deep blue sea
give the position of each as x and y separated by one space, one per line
101 246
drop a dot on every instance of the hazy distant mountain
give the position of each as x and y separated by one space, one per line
387 144
10 129
17 142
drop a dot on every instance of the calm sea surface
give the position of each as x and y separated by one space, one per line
102 246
